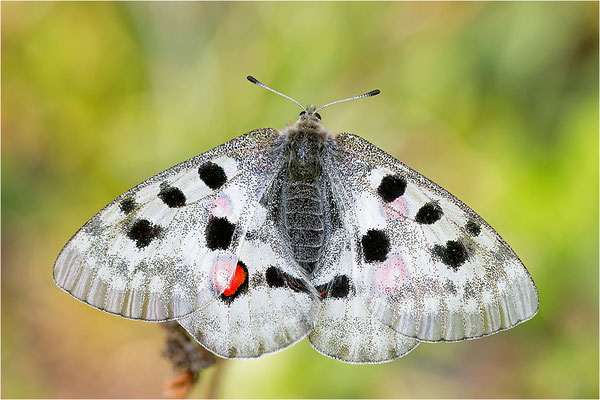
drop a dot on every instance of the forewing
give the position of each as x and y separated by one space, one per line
425 263
344 329
270 310
150 253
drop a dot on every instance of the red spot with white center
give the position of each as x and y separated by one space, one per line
394 210
221 206
390 276
228 276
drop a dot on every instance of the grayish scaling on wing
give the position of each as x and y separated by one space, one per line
149 254
266 315
344 328
425 264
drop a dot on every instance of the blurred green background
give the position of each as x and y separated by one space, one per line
496 102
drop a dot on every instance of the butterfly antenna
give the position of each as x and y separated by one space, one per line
371 93
257 82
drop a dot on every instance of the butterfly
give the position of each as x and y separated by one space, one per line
276 236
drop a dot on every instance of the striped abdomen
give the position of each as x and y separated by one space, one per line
304 221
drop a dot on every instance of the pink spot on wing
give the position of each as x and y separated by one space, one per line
220 206
394 210
390 276
222 272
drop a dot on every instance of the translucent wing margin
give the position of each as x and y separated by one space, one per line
425 264
151 253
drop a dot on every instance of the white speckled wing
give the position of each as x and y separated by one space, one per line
272 308
344 329
150 254
424 263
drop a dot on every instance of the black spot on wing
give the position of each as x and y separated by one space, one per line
277 278
171 196
142 232
219 232
338 287
375 245
453 254
429 213
391 187
274 278
473 228
127 205
212 175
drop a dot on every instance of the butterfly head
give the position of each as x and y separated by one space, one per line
309 120
310 114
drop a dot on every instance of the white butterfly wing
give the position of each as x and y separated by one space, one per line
425 264
344 329
151 253
271 310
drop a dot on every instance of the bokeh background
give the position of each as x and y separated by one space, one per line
497 102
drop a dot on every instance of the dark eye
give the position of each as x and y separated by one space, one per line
318 116
302 113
